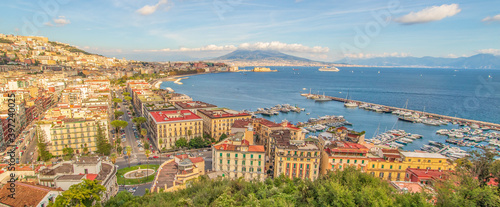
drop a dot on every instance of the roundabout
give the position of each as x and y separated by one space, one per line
135 175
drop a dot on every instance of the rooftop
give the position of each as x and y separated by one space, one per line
221 113
87 160
173 116
345 147
71 177
194 105
423 155
26 194
410 187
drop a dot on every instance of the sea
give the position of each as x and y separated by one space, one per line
465 93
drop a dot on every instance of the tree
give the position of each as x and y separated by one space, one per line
182 142
146 145
119 149
68 153
103 145
222 137
82 194
113 158
118 114
126 94
118 124
144 133
43 153
138 121
197 142
160 142
116 101
478 164
147 153
128 98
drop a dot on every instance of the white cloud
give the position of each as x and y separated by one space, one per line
491 19
150 9
368 55
61 21
283 47
430 14
278 46
489 51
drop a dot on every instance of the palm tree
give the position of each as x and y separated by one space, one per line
113 158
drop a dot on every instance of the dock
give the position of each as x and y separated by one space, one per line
460 120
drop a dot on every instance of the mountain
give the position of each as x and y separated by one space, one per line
265 58
479 61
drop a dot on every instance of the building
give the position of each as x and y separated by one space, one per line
166 127
387 164
68 173
341 154
294 158
194 106
79 134
176 173
237 156
27 194
219 121
425 176
426 160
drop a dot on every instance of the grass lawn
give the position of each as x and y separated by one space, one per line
121 180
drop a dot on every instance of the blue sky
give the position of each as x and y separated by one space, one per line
326 30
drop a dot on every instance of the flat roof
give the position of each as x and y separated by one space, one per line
221 113
173 116
423 155
194 105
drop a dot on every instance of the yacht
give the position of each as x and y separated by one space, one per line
330 69
351 105
322 98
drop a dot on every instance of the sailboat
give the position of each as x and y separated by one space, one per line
323 98
307 95
406 116
349 104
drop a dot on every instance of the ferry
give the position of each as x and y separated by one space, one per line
331 69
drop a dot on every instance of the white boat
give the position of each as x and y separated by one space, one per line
351 105
330 69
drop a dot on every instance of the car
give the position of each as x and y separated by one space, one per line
156 157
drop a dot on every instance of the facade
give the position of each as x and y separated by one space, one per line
176 173
425 160
340 154
295 158
79 134
387 164
166 127
424 176
237 156
219 121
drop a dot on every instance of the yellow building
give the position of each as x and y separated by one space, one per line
391 164
295 158
237 156
219 121
77 134
425 160
166 127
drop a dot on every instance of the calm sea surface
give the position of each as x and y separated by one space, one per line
471 94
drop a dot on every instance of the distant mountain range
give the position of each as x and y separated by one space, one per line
265 58
480 61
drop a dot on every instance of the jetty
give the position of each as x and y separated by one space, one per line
463 121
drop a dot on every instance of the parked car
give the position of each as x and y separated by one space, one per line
156 157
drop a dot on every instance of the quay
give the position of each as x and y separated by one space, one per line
334 120
459 120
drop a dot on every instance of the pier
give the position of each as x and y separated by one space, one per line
459 120
336 120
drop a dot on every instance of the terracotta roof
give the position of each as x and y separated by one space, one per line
425 173
181 157
390 151
26 194
256 148
173 116
92 176
243 123
345 147
196 159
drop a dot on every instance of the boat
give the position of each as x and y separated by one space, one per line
349 104
322 98
330 69
257 69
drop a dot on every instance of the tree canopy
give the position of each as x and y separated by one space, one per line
182 142
82 194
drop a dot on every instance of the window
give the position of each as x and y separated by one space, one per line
348 161
221 162
287 165
409 160
373 166
260 156
440 161
333 160
355 161
382 167
228 155
259 163
236 155
362 162
294 165
340 166
428 161
288 158
341 161
251 156
236 162
381 175
243 162
221 154
251 162
228 162
400 167
418 160
390 167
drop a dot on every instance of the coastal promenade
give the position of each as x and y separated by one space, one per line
433 115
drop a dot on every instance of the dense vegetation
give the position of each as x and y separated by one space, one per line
344 188
3 40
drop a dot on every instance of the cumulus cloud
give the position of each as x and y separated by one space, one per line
430 14
150 9
495 18
278 46
368 55
60 21
489 51
283 47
